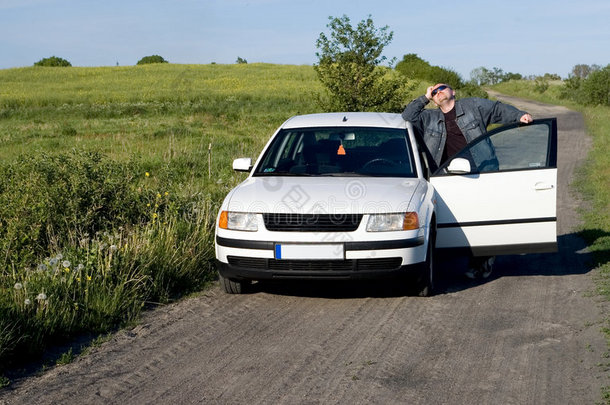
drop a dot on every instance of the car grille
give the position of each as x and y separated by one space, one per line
389 263
312 222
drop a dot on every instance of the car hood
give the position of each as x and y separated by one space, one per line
325 194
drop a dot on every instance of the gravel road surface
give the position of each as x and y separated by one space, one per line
528 335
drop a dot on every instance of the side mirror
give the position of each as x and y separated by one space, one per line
459 166
242 164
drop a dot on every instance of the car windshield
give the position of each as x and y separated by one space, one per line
338 152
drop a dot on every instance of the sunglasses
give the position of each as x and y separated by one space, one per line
439 88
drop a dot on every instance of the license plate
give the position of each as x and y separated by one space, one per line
309 251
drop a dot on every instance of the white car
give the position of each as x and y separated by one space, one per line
356 195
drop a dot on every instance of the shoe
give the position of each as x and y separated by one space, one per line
482 269
472 274
487 267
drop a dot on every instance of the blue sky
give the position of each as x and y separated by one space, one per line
527 37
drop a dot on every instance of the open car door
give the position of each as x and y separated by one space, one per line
498 195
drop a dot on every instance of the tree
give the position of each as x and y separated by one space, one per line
241 60
483 76
151 59
582 71
349 68
53 61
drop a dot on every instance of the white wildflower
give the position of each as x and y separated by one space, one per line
80 266
41 297
66 263
41 267
18 286
59 256
113 248
27 301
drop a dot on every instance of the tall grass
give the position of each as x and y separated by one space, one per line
110 179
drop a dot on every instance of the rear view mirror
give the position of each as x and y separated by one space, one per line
242 164
459 166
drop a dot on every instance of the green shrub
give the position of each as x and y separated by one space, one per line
53 61
592 90
54 199
596 87
414 67
151 59
541 84
471 90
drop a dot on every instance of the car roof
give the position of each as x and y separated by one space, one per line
346 119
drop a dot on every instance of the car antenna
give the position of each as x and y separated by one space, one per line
344 118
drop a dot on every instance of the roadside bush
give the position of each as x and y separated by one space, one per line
151 59
596 87
86 241
592 90
471 90
541 84
53 61
414 67
48 200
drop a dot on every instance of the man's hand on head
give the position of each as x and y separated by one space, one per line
429 92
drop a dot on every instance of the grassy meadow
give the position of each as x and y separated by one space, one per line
110 179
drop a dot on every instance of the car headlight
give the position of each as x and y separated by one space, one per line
405 221
238 221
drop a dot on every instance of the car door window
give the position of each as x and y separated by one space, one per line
513 147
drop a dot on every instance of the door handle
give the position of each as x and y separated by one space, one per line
543 185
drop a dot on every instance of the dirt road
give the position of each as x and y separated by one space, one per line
528 335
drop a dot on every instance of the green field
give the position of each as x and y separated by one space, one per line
110 180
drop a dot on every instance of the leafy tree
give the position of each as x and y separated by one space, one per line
551 76
495 75
582 71
349 67
512 76
241 60
53 61
151 59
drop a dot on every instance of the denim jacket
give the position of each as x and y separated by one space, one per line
473 115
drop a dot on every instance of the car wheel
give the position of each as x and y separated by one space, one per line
425 277
233 286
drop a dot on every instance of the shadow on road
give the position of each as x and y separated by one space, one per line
571 258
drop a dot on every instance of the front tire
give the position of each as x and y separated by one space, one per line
233 286
425 277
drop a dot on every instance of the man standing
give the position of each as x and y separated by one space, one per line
448 129
455 123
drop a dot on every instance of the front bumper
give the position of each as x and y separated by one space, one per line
241 259
241 268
